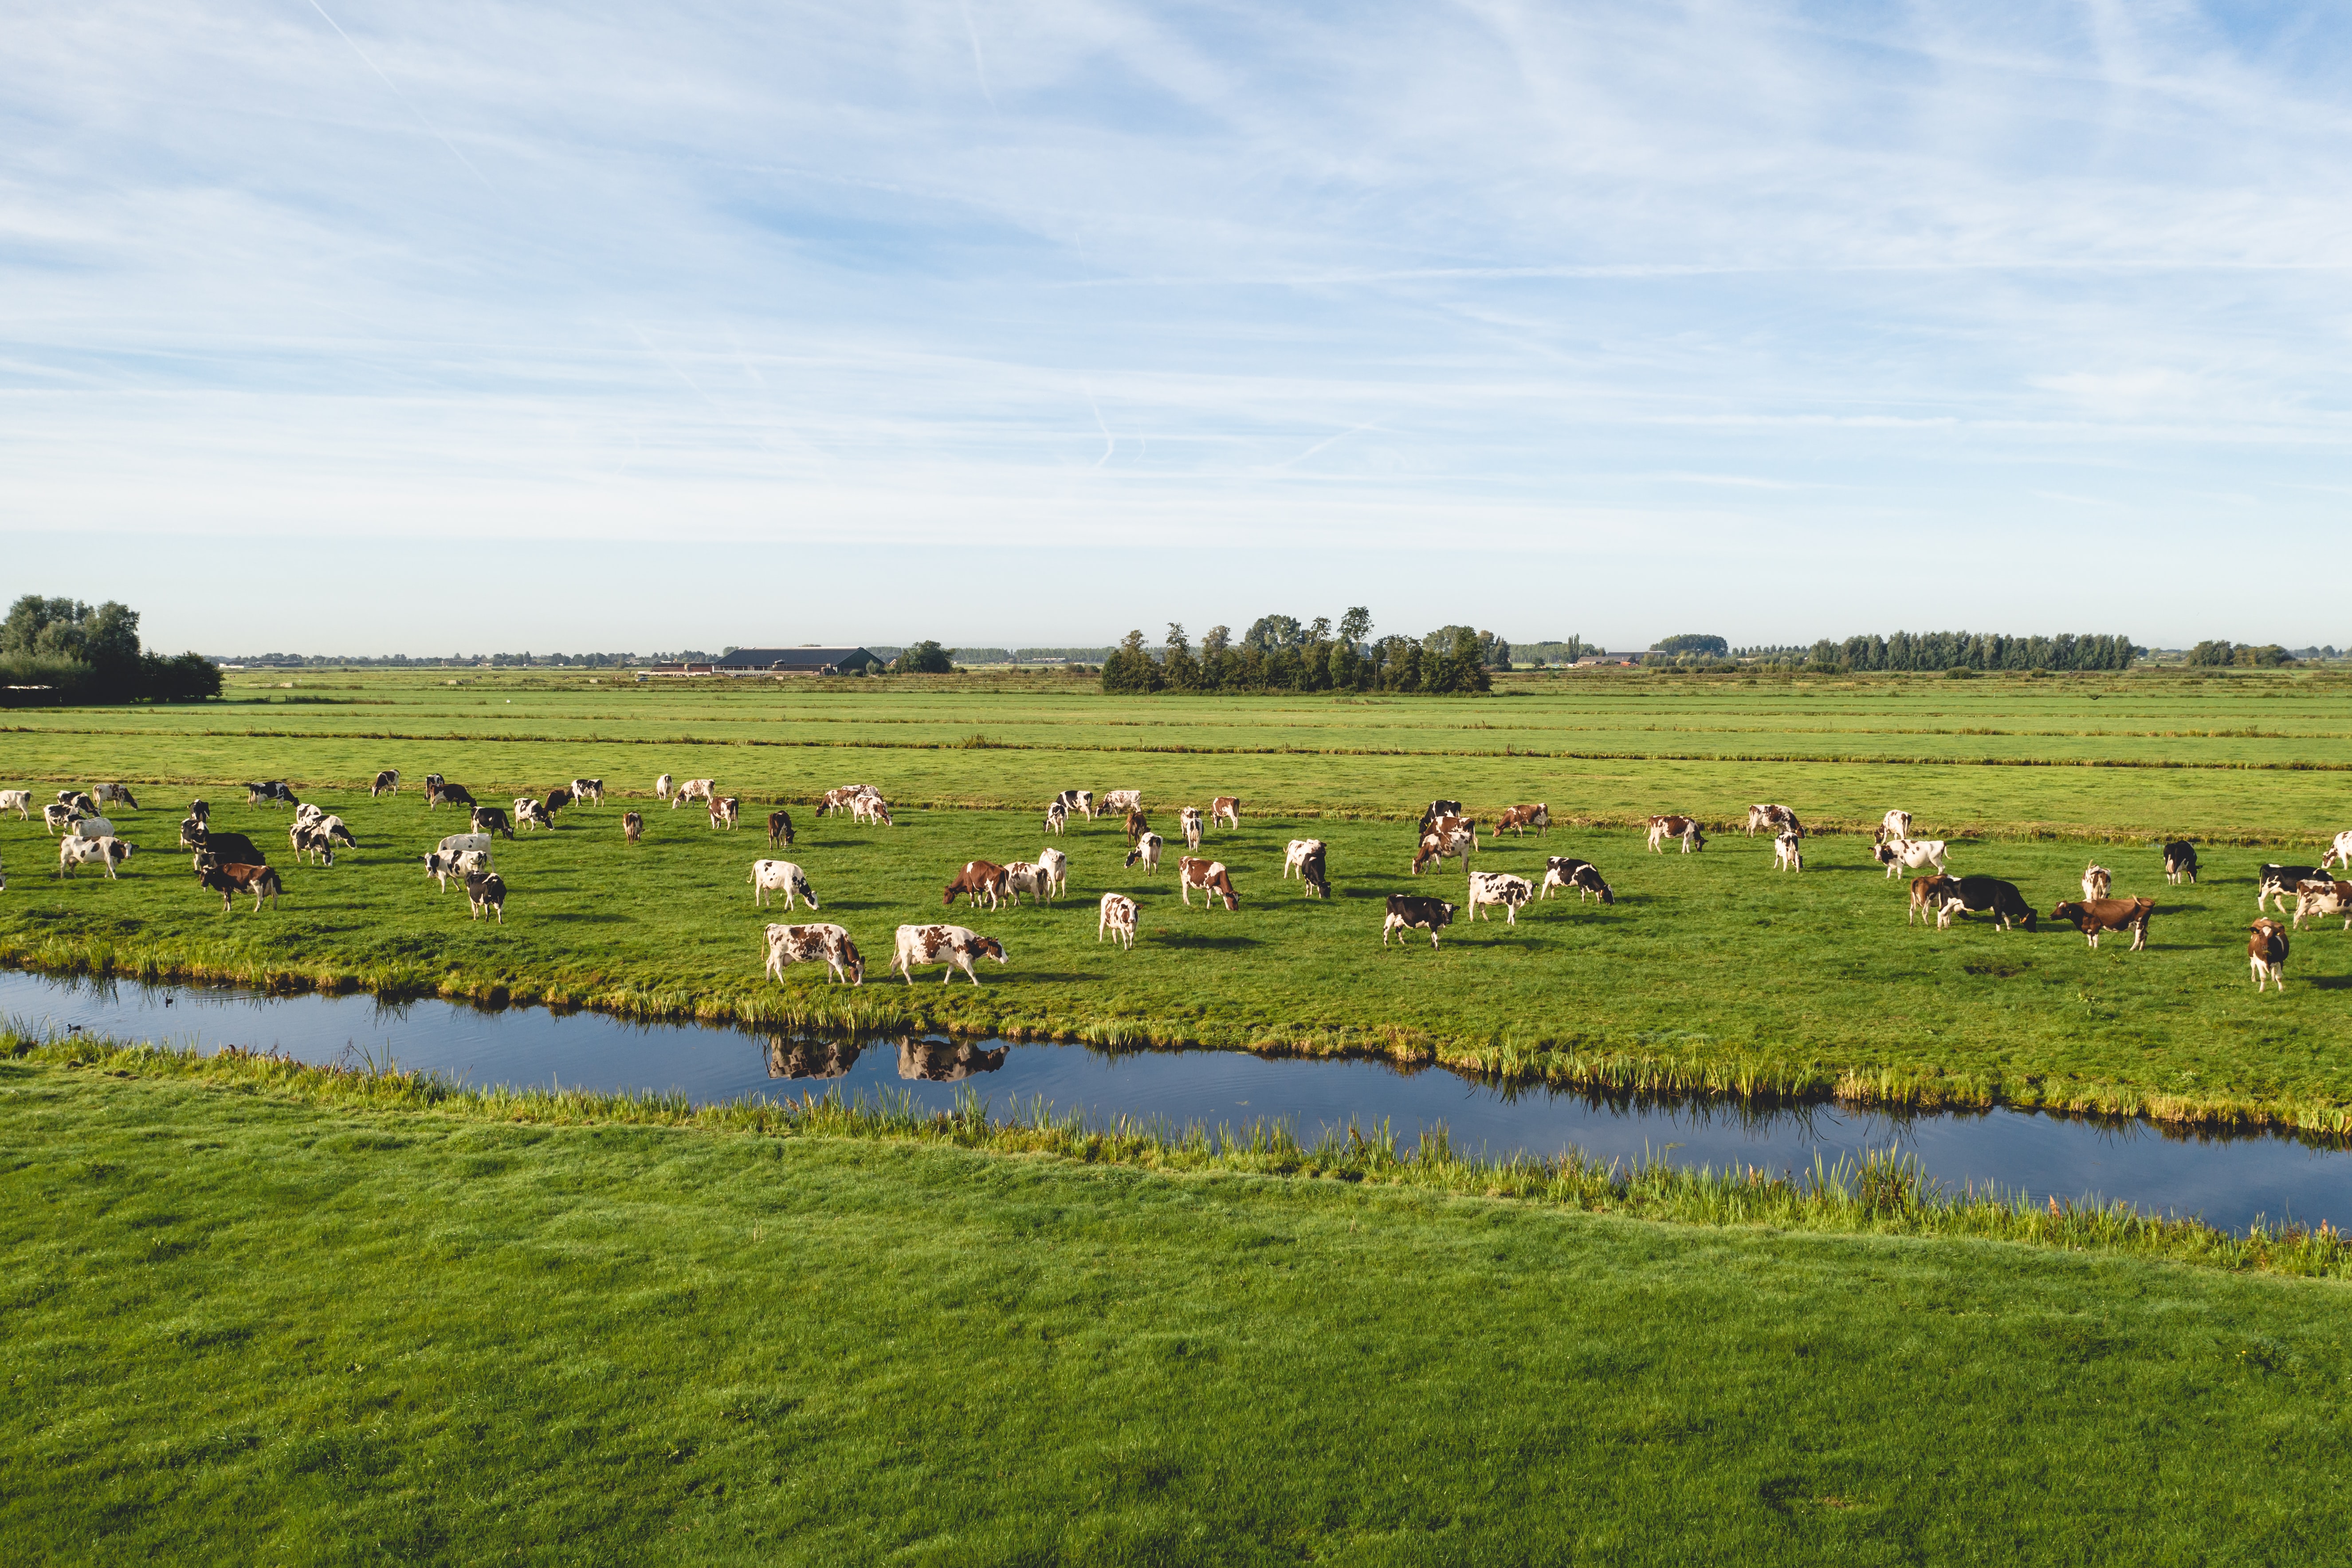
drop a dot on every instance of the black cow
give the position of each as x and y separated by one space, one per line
1988 896
2180 861
1408 911
780 830
445 794
229 849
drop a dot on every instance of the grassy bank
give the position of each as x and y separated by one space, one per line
268 1315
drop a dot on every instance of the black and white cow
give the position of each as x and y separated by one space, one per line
487 892
1565 871
772 876
1986 896
1147 851
386 783
1408 912
1081 801
2180 861
2279 882
1499 888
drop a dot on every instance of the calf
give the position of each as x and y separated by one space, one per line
1081 801
1057 865
1565 871
489 819
799 944
952 946
1928 897
1117 919
1788 851
1057 818
1210 876
2180 861
1901 854
1437 809
2322 895
2338 853
232 878
726 811
1407 912
633 827
584 791
1138 825
2098 882
1519 818
1895 825
487 892
2267 954
438 793
1021 877
1986 896
1683 827
1773 820
19 800
2092 916
1227 809
74 853
1147 850
662 787
386 783
1188 820
116 794
1443 843
978 879
693 789
780 876
780 830
2279 883
1499 888
1121 800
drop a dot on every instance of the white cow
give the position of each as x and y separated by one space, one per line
108 852
1295 858
1901 854
801 944
952 946
780 876
1499 888
693 789
1119 802
1021 876
19 800
662 787
1189 819
1895 824
1147 849
1057 864
1117 919
462 864
2341 853
2097 880
93 828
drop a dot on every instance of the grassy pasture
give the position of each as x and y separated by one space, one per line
319 1331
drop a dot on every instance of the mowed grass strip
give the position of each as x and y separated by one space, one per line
1711 971
301 1331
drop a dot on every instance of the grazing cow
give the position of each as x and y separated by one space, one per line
309 843
801 944
633 827
201 810
528 812
55 816
489 819
1565 871
662 787
459 843
1773 820
19 800
1021 877
2267 954
441 867
1147 849
386 783
229 849
845 798
780 830
1986 896
2279 883
588 791
1519 818
1788 851
1439 809
953 946
1895 825
2322 895
1227 809
559 799
1081 801
1928 897
1210 876
437 793
1499 888
1117 919
1312 872
978 879
116 794
693 789
1188 820
1683 827
1442 842
726 811
2338 853
92 827
232 877
1407 912
1138 825
1057 817
1121 800
2180 861
871 809
1295 855
1057 865
2092 916
1901 854
487 892
108 852
769 876
2098 882
80 800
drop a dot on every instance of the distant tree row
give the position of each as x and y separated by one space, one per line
1279 654
62 650
1975 651
2241 656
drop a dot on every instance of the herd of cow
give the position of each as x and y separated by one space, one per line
231 863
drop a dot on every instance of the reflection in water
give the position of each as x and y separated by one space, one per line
810 1059
946 1061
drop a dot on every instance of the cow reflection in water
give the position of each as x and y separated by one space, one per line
809 1058
945 1061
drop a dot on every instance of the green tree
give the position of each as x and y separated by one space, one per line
926 658
1130 667
1182 670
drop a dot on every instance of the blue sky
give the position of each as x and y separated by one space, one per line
367 327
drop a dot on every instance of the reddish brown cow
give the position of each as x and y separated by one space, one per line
1927 898
977 878
232 879
1137 825
2092 916
2267 952
1209 876
1519 818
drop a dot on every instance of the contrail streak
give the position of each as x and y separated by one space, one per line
978 63
1110 442
412 108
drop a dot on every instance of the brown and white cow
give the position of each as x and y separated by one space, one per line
772 876
632 826
1117 919
2339 853
1437 811
1499 888
1440 843
2275 881
1408 912
1519 818
2322 895
1120 800
780 830
1788 851
1210 876
1773 820
1189 819
1145 851
1565 871
693 789
953 946
228 880
2267 952
1928 897
1227 809
1683 827
2098 882
2092 916
727 811
872 810
845 798
1138 825
1895 825
1023 877
979 879
802 944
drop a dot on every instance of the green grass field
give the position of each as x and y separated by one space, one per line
1711 971
242 1327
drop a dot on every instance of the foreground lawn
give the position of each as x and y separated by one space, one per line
303 1333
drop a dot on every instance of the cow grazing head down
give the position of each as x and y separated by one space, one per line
1209 876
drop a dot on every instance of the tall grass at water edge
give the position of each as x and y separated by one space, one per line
1884 1193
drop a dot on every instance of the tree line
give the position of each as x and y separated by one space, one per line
1975 651
1280 654
62 650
